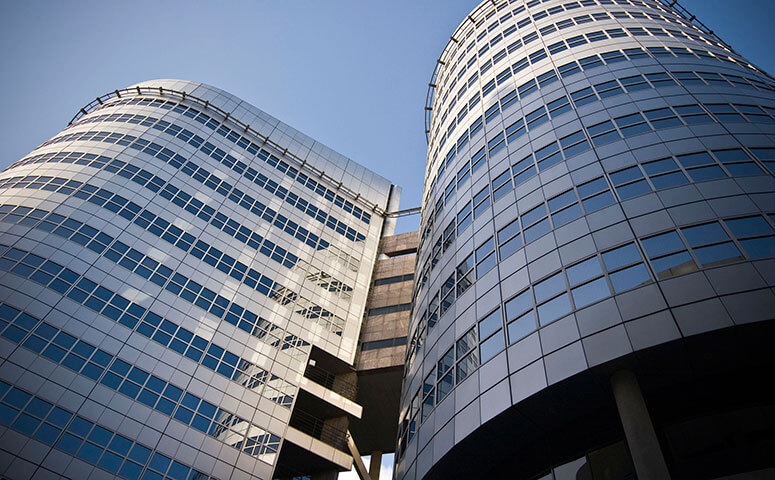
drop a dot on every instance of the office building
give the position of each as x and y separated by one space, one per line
183 280
594 284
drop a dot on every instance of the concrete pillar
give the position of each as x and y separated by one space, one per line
374 465
638 429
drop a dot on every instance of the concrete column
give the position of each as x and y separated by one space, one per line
638 429
374 465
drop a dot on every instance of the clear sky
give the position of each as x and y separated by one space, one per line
352 74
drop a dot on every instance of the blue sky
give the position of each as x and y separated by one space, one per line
351 74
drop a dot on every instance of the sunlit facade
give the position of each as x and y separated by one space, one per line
170 264
598 229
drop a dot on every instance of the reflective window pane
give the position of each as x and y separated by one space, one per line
749 226
519 304
597 202
675 264
704 234
763 247
510 247
490 324
554 309
485 266
537 231
522 327
707 173
491 347
590 292
669 180
631 277
621 256
445 386
549 287
632 190
467 365
583 271
566 216
662 244
466 342
660 166
718 253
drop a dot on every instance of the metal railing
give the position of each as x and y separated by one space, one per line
330 381
317 428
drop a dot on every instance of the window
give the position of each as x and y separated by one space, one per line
527 88
547 78
468 358
491 113
700 166
569 68
535 223
725 113
755 236
737 162
548 156
595 194
523 170
554 309
477 160
536 117
429 391
520 316
583 96
662 118
496 144
465 274
631 125
485 259
448 236
515 130
766 156
711 244
508 100
608 89
693 114
491 335
629 182
564 208
635 83
625 267
634 53
574 144
464 218
688 78
481 202
603 133
668 255
501 185
509 239
664 173
559 106
549 287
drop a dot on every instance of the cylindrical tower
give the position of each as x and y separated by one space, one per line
594 278
170 266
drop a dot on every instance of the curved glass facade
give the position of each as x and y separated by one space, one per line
168 263
599 183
